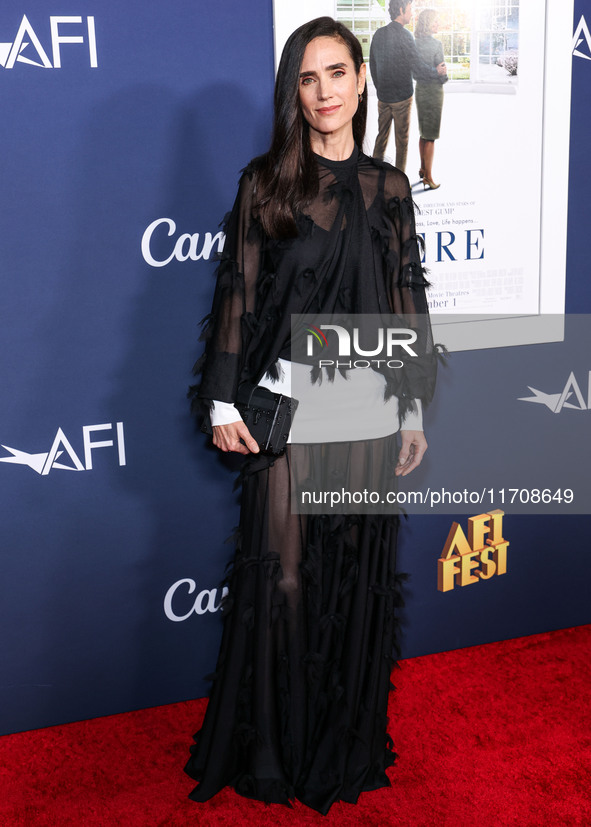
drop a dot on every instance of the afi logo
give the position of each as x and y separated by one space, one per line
582 34
43 463
204 602
62 30
570 396
464 561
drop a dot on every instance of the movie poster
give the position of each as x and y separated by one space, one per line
494 224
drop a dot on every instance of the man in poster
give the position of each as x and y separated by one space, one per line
394 61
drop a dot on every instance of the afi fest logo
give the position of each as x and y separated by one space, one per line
185 247
27 47
207 600
47 461
465 561
392 337
570 396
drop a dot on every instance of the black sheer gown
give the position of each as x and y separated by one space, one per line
298 706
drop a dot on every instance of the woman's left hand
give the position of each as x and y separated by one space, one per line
411 452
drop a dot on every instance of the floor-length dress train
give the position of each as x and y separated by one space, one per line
298 707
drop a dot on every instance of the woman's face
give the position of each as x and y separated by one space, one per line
329 87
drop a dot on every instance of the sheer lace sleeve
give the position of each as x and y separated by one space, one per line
406 284
226 327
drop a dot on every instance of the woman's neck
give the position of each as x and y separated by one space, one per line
335 148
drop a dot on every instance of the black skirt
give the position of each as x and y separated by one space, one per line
298 706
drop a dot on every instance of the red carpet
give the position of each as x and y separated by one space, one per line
492 735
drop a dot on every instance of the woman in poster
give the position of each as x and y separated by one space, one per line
298 707
429 94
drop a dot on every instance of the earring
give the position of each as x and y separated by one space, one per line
360 96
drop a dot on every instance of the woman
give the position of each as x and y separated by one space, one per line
428 94
299 699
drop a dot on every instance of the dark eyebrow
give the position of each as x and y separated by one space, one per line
328 69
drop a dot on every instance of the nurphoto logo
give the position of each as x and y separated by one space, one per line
386 342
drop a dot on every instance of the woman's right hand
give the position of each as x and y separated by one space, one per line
227 438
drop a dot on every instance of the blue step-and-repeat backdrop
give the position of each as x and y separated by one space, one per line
122 133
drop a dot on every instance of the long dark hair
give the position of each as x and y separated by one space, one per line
287 177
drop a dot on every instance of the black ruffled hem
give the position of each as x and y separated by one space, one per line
278 791
298 707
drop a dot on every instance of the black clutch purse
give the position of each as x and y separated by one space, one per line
267 415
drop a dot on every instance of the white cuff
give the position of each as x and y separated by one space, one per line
414 419
223 413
